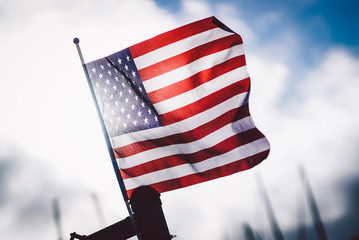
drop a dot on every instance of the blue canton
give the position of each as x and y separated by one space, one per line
121 96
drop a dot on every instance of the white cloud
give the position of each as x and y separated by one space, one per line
232 18
49 112
318 129
194 10
329 106
47 109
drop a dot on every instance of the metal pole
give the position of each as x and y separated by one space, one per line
107 139
57 217
318 224
277 233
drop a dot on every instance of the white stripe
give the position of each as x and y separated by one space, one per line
244 151
202 91
194 67
179 47
182 126
190 147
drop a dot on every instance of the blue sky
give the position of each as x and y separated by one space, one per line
303 60
325 22
320 24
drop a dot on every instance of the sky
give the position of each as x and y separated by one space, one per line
303 60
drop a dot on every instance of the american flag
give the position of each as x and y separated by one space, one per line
176 107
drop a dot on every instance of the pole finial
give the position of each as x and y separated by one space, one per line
76 41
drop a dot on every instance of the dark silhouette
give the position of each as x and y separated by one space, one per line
248 233
57 217
318 224
148 215
277 233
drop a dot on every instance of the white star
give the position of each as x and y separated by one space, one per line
122 109
105 90
121 93
133 74
136 97
117 102
114 87
149 111
128 116
133 107
116 78
100 76
97 85
93 70
126 67
139 88
156 119
146 120
125 125
123 85
143 104
107 82
129 91
102 67
128 58
135 123
119 118
109 72
111 96
119 61
139 113
108 64
126 100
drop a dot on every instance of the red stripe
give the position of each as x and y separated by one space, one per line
172 36
196 80
189 56
225 146
206 102
185 137
234 167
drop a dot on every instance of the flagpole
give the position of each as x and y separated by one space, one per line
107 139
318 224
57 217
277 233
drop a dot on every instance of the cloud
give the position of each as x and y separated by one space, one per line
29 185
232 18
7 168
49 113
329 112
192 10
47 110
317 128
326 105
23 200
